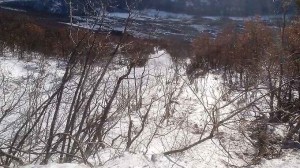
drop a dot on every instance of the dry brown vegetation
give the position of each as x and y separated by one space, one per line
24 35
258 56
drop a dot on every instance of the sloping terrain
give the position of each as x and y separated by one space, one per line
196 7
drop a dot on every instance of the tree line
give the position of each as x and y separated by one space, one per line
256 57
26 37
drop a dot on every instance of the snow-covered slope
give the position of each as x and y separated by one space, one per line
139 161
190 112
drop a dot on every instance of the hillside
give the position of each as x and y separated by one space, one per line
157 84
215 7
196 7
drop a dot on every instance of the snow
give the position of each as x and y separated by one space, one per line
166 84
112 20
212 17
13 67
1 1
165 15
9 8
13 9
56 165
200 28
151 14
245 18
129 160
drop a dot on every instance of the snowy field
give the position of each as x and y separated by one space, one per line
180 113
136 161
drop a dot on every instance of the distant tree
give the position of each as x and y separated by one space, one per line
298 5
